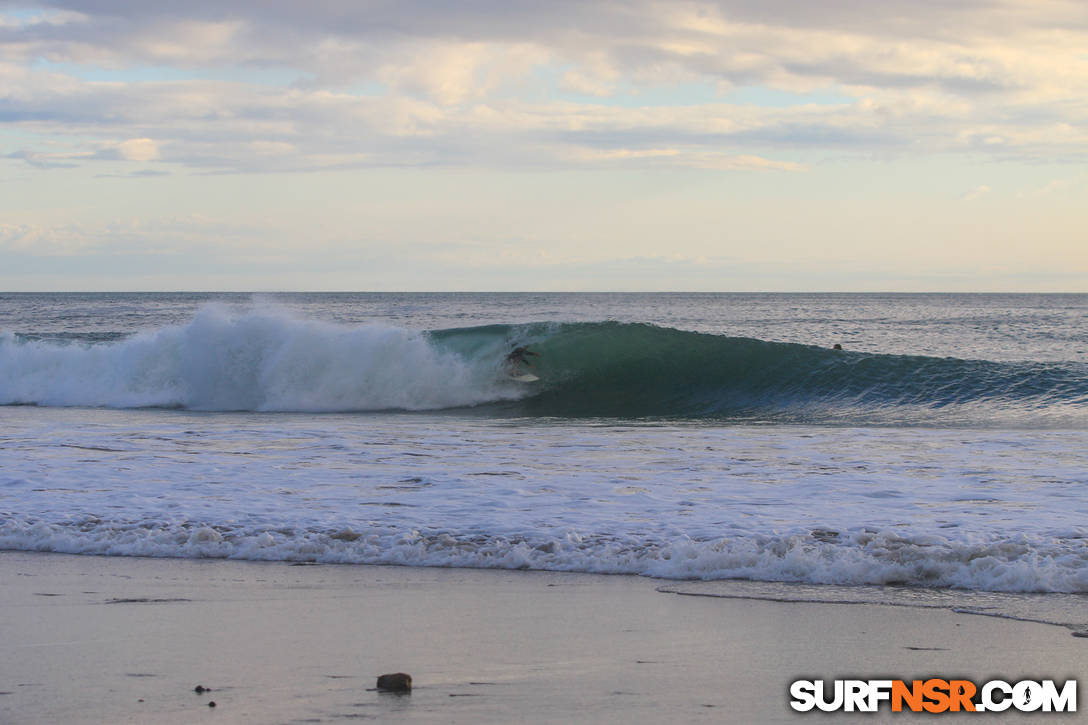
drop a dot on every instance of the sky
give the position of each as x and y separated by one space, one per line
739 145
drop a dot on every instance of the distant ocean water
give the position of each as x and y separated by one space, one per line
683 436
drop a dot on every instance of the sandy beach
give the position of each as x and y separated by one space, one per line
126 640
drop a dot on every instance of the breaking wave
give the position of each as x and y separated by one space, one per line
268 360
861 556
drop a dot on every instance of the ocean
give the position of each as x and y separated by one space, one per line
709 440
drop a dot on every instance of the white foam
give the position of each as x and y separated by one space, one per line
970 509
262 359
1028 564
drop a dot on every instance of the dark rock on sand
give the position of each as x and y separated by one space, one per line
396 682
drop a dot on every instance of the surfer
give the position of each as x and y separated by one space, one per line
518 355
836 346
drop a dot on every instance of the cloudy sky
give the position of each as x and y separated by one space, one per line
907 145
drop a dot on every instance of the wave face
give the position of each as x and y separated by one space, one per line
637 370
269 360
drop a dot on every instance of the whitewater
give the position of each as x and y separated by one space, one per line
677 436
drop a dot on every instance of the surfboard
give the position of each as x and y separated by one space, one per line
525 378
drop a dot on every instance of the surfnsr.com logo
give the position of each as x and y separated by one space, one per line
934 695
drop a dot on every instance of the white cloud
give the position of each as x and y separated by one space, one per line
685 158
189 42
1055 187
975 193
450 73
146 236
57 240
478 85
138 149
44 160
45 17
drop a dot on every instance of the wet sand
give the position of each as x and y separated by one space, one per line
126 640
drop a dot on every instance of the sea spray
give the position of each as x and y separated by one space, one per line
258 360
